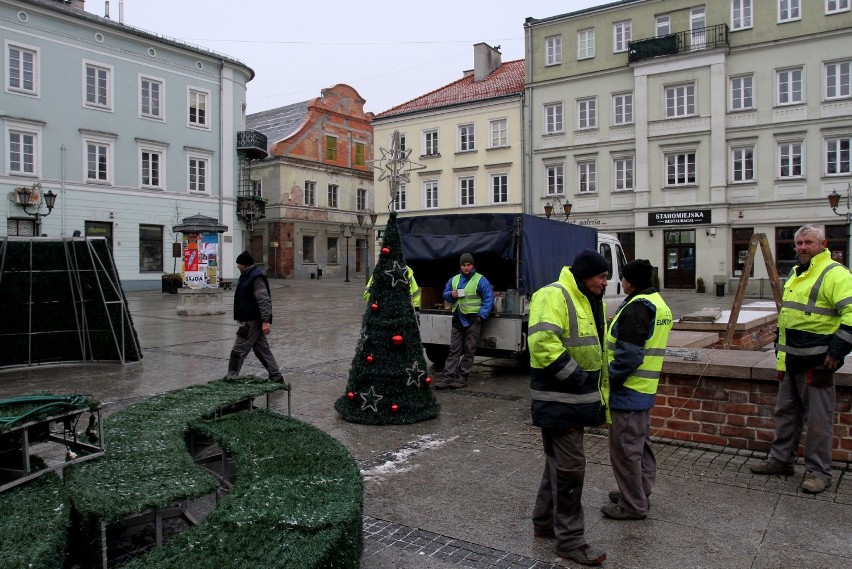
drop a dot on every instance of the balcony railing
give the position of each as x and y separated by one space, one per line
252 143
681 42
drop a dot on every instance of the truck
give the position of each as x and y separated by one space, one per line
518 253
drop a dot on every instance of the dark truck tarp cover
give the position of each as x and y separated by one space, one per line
545 245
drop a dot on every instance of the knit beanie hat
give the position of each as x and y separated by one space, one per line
589 263
639 273
245 258
466 258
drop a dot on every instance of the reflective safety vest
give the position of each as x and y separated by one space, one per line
561 323
413 288
813 306
471 302
647 376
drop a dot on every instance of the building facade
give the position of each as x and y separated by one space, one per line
687 127
465 140
317 184
130 131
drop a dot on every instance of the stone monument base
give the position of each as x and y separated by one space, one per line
199 302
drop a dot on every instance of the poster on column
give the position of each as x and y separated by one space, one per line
201 260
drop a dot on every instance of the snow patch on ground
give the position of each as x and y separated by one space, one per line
397 461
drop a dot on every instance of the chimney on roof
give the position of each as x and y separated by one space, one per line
78 4
486 60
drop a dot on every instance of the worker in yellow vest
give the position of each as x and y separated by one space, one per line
635 347
814 336
472 298
568 391
413 289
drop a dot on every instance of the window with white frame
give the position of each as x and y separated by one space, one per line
587 114
680 169
553 119
663 25
499 188
789 82
554 175
22 69
741 14
257 188
402 143
622 33
742 93
837 80
835 6
333 195
789 11
622 167
837 159
98 157
680 100
198 173
23 149
467 139
151 165
97 86
467 191
151 98
587 176
198 101
430 194
499 132
790 159
310 192
430 142
400 200
742 164
586 43
622 108
553 50
20 227
361 199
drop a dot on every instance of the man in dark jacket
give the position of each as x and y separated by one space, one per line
635 348
567 374
253 310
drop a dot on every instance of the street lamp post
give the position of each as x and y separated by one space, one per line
27 195
368 229
834 201
346 230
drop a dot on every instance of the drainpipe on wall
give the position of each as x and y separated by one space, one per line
62 187
527 148
222 161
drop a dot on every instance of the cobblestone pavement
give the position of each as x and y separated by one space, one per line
458 490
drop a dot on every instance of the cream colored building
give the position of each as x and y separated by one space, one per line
465 140
686 127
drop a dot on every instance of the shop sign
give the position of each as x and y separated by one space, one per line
687 217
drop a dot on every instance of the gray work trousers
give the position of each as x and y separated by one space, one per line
633 462
799 402
558 504
463 342
254 341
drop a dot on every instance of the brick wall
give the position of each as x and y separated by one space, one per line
733 412
752 339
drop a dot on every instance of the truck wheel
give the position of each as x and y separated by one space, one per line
437 354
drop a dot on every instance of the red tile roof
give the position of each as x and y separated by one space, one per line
508 79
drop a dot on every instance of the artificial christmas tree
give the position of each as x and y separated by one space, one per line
388 383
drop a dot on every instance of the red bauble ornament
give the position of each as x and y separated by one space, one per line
394 407
428 380
397 340
385 251
370 359
374 307
350 395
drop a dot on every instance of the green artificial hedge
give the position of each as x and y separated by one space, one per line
296 503
34 524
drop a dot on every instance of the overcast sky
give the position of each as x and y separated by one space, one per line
390 52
